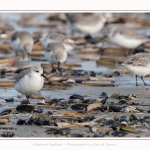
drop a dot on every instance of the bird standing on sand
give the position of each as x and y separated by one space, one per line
30 81
139 64
46 38
55 53
22 42
124 37
87 23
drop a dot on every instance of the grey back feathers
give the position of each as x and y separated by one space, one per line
22 36
129 33
28 72
57 37
55 46
85 18
139 59
21 75
22 41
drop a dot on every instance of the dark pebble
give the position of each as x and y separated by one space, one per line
123 97
104 94
38 110
77 135
52 131
2 123
132 118
55 100
49 112
122 102
24 108
101 108
9 99
79 72
114 108
90 100
103 101
107 132
5 112
116 73
64 131
40 122
113 126
86 119
77 96
110 121
101 134
82 111
80 81
119 133
62 103
7 134
79 107
24 122
2 73
92 74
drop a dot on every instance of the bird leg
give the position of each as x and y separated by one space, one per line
16 53
136 80
58 64
23 54
27 96
28 54
139 49
53 69
59 69
88 37
143 81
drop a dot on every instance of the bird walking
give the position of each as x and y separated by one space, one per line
46 38
139 64
22 42
55 54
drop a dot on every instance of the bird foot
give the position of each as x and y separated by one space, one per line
25 102
53 70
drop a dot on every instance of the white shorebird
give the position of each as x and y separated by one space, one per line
87 23
139 64
124 37
46 38
55 53
22 42
30 81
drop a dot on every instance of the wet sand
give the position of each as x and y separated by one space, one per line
142 94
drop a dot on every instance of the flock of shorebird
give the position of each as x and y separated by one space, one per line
57 46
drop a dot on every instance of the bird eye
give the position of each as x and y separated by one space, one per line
37 71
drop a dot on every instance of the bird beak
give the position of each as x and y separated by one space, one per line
44 76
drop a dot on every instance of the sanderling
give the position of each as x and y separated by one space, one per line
88 23
30 81
55 53
22 42
139 64
125 37
46 38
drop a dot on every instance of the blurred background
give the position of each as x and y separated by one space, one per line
93 50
